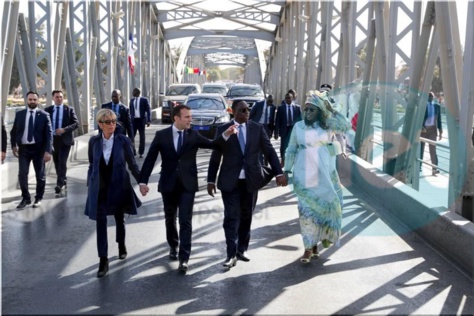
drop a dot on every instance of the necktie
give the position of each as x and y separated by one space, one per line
30 127
241 139
115 108
56 121
136 105
265 121
290 117
180 141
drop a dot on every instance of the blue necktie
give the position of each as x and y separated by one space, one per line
56 123
241 139
31 127
290 117
180 141
265 121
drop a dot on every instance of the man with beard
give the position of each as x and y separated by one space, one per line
32 140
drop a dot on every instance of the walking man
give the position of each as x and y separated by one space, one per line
263 112
431 126
141 117
31 138
64 122
124 125
286 117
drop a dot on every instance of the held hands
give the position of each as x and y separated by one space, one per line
47 157
144 189
231 130
211 189
281 181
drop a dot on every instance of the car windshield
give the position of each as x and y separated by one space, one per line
181 90
249 91
205 104
211 89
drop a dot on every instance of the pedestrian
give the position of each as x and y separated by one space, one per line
263 112
64 122
124 124
31 138
315 179
431 128
240 177
178 146
287 115
109 191
141 116
4 140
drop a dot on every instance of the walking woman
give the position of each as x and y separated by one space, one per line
310 156
109 189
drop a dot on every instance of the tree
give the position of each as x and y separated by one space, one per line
213 74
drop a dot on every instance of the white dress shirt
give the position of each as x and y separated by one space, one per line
107 145
24 138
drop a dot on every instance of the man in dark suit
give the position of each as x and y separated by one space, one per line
124 124
4 141
178 145
287 115
31 138
141 117
240 178
64 122
263 112
431 125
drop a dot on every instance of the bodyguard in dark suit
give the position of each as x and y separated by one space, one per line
4 141
264 113
141 116
124 124
64 121
109 189
240 178
286 117
31 138
178 145
431 126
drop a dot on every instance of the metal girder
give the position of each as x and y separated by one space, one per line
174 34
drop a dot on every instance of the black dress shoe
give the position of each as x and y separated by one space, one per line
57 189
243 256
122 251
173 253
230 262
103 267
23 203
183 265
37 203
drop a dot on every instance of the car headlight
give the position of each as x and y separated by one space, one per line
222 119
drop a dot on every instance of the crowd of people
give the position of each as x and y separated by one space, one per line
243 160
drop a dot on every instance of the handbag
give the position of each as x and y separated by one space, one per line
334 148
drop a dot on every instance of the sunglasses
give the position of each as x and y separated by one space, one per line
310 110
244 110
108 122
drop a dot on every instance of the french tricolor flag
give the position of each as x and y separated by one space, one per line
131 53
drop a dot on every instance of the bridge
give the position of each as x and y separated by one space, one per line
388 54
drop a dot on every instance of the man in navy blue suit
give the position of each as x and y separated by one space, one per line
178 145
124 125
431 128
240 177
31 138
64 122
286 117
141 116
263 112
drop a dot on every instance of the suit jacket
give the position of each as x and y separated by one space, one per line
69 123
175 165
4 137
125 125
233 160
281 119
121 195
43 133
257 112
144 107
437 120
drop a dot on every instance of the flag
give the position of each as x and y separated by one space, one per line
189 70
196 70
131 53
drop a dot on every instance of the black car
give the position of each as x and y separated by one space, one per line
208 111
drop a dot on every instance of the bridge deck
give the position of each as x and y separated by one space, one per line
50 261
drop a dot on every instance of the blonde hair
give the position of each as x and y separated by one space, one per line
105 113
